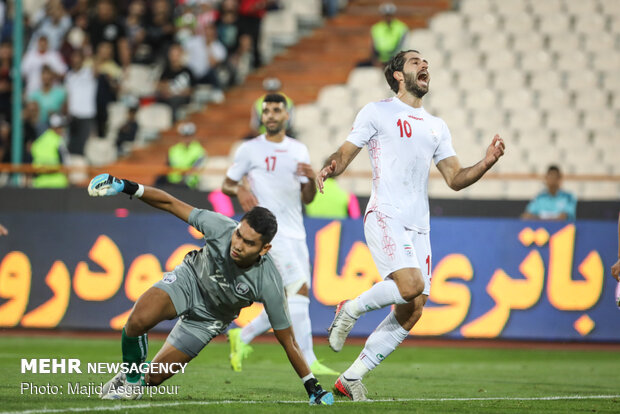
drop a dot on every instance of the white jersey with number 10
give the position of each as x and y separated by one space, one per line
402 141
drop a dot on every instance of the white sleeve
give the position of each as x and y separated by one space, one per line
364 127
241 164
444 149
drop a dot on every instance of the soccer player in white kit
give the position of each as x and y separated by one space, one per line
403 139
280 177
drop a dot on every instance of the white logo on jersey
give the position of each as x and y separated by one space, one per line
169 278
242 288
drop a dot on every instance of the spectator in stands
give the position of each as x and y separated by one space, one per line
270 85
6 81
105 27
251 13
188 153
206 51
552 203
109 76
175 84
5 141
129 130
31 128
135 28
387 36
160 30
241 60
33 62
6 25
228 25
54 26
50 97
81 85
79 8
76 37
49 151
206 15
334 203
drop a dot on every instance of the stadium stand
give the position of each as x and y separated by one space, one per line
533 71
542 73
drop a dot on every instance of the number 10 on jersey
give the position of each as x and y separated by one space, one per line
405 128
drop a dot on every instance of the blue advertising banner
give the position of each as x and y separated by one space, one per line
492 278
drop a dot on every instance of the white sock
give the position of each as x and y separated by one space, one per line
379 296
298 307
257 326
381 343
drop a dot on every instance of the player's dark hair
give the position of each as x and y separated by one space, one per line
554 168
395 64
263 222
275 97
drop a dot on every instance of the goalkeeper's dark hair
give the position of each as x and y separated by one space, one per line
263 222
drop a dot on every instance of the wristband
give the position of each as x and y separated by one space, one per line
140 191
130 187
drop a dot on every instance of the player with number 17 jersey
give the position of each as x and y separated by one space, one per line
271 171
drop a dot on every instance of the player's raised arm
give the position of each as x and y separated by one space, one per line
3 230
337 163
108 185
458 177
316 393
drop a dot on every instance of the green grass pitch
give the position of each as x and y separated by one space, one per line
412 379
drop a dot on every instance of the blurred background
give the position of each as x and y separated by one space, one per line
163 92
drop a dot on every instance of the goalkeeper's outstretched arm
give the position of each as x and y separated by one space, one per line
164 201
108 185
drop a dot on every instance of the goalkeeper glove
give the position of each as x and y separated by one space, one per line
318 396
108 185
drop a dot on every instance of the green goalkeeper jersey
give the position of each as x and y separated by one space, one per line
225 287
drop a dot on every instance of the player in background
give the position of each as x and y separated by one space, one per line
206 291
280 178
615 269
403 139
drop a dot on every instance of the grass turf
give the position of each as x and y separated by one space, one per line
471 380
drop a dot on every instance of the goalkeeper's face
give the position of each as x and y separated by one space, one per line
247 246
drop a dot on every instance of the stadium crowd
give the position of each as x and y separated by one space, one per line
77 54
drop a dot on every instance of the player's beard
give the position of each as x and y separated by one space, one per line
412 86
274 129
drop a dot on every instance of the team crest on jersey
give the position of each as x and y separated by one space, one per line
408 250
242 288
169 278
435 135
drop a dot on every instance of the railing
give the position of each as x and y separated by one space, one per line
155 170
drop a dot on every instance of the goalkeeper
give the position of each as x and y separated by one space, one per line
206 291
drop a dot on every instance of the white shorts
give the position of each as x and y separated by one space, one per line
293 262
395 247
